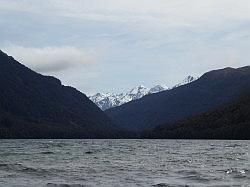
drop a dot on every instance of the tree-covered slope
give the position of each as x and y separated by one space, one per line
37 106
230 121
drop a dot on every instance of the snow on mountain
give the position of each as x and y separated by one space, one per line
138 92
187 80
158 88
109 100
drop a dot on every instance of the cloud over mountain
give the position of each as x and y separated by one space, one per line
51 59
151 41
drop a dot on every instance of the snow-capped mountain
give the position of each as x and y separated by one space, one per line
187 80
138 92
109 100
158 88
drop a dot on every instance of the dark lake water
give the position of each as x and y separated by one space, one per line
124 163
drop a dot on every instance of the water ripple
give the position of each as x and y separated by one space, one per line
77 163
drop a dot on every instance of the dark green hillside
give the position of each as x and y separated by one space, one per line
37 106
231 121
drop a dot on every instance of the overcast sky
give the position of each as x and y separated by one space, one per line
113 45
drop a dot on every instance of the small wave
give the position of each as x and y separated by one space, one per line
237 173
13 154
52 144
3 165
89 152
196 178
169 185
92 152
17 167
46 152
193 175
8 166
65 185
188 172
233 145
209 149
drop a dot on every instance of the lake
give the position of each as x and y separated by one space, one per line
66 163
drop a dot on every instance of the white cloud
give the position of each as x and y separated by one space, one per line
51 59
166 11
177 36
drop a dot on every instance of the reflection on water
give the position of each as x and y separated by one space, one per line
76 163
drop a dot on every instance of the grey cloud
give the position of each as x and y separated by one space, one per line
51 59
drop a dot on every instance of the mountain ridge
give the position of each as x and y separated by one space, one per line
209 91
32 103
109 100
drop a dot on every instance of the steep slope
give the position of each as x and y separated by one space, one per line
209 91
37 106
231 121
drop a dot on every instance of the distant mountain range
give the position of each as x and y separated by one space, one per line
37 106
208 92
110 100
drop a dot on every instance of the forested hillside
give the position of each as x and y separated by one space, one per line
230 121
37 106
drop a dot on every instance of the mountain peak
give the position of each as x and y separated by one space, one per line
189 77
109 100
4 55
187 80
226 72
220 73
158 88
139 89
1 52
